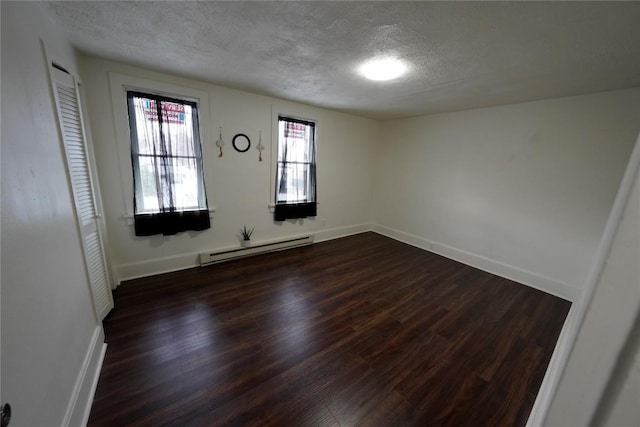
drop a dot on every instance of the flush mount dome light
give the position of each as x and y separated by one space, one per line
381 69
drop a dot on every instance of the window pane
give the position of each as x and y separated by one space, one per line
178 129
147 125
294 142
147 199
185 182
295 184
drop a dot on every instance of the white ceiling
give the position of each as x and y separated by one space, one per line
462 54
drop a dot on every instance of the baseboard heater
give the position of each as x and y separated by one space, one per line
207 258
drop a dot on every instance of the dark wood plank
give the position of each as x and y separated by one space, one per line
362 330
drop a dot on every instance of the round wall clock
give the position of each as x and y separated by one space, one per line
241 143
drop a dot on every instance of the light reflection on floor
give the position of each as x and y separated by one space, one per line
294 311
195 329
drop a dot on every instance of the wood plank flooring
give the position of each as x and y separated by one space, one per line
359 331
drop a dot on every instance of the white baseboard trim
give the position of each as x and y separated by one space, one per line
170 264
337 233
79 407
151 267
554 369
545 284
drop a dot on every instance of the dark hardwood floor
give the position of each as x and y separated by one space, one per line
359 331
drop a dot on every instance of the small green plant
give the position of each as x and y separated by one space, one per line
246 234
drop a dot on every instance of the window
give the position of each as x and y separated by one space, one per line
169 193
296 169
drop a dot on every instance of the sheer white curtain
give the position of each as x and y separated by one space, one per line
169 194
296 169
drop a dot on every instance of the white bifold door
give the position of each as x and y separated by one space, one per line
73 135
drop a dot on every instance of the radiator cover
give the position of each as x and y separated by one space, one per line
208 258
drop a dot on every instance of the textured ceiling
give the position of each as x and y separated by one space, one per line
462 55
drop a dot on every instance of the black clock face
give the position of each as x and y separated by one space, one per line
241 143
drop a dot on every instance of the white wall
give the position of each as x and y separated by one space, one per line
599 360
521 190
237 184
48 321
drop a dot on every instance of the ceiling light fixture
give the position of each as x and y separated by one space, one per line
382 69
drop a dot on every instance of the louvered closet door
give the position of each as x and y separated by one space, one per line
70 117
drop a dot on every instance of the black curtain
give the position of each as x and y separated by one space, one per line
169 195
286 211
169 223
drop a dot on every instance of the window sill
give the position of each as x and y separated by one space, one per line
128 218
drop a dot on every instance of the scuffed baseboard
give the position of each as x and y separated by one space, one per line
79 407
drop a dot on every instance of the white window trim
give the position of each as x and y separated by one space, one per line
119 85
277 111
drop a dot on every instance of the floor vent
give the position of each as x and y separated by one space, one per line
207 258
